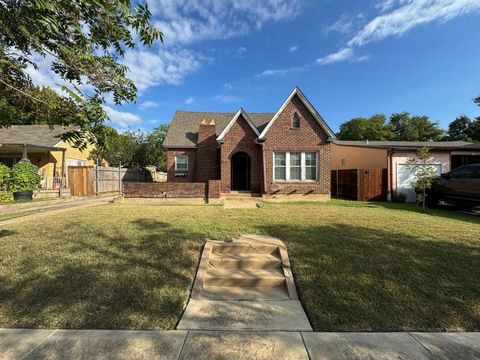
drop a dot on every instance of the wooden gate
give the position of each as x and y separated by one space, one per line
80 180
360 184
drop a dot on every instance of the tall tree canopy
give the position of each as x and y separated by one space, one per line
373 128
401 127
460 129
85 40
132 148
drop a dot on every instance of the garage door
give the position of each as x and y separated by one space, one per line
405 179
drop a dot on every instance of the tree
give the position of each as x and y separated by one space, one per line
153 150
460 129
414 128
85 40
373 128
474 130
423 174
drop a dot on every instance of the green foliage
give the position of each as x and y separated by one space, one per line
6 196
459 129
4 177
373 128
132 148
424 174
400 127
86 40
24 177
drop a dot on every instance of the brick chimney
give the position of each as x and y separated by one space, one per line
207 155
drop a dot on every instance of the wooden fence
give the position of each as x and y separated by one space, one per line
360 184
94 180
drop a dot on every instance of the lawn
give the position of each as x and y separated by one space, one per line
358 266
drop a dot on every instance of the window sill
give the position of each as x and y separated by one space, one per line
180 174
294 181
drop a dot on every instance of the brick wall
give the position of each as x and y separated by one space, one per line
241 138
213 189
309 137
192 164
163 190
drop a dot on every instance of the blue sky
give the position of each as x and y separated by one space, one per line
350 58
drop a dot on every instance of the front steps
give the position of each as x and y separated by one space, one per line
246 269
244 285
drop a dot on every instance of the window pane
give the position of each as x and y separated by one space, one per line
181 163
280 173
310 159
295 121
311 173
295 166
280 159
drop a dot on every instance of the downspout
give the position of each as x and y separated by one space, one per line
264 182
390 161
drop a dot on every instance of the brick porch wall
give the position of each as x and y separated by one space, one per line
309 137
163 190
241 138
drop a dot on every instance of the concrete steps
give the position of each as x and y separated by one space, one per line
245 261
245 277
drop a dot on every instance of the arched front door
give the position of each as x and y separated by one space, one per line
240 168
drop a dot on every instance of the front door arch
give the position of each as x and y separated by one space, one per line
240 165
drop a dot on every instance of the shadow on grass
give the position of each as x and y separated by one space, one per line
354 278
104 279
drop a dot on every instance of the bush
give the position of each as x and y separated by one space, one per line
24 177
4 177
5 197
399 197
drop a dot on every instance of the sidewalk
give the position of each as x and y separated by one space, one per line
179 344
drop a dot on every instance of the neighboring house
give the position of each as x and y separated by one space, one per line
282 153
395 155
43 146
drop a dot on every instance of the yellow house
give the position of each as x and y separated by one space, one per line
42 145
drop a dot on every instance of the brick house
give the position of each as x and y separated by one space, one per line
273 154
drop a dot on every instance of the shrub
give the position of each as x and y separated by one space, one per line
5 196
399 197
24 177
4 177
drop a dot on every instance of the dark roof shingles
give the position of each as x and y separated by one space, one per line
39 135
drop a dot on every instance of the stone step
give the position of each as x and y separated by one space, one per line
252 261
245 278
240 194
245 293
235 249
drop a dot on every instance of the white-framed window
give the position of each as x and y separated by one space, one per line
295 121
181 163
76 162
295 166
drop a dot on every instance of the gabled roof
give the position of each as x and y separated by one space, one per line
39 135
234 119
406 144
183 130
310 108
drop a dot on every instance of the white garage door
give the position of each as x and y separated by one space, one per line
405 179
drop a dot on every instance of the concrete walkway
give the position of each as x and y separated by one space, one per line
231 345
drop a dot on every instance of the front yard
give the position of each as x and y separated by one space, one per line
358 266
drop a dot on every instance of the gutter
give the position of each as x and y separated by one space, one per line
390 164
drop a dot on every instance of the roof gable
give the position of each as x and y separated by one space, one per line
234 119
40 135
310 108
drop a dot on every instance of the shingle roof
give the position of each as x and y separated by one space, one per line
183 131
405 144
39 135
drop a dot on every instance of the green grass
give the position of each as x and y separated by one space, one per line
358 266
15 215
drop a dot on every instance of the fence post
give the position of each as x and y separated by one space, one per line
120 178
96 178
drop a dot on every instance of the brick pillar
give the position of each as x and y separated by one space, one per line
207 161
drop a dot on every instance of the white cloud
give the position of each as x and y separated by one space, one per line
342 25
190 100
410 15
167 66
222 98
340 55
148 104
279 72
121 119
293 48
186 21
403 16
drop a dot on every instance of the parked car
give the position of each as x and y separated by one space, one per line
460 186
